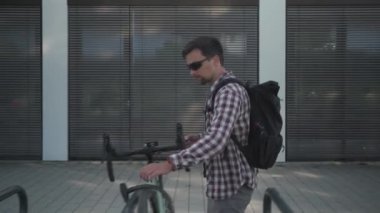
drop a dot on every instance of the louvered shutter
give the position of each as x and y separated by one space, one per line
20 80
333 80
163 91
99 47
160 89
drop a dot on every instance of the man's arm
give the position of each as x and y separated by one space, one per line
191 139
226 110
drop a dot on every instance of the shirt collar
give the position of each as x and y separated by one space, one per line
225 75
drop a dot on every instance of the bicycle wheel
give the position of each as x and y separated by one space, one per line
145 201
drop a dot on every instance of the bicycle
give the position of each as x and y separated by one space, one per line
149 197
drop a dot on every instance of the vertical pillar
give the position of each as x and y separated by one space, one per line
272 50
55 79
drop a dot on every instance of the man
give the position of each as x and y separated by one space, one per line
230 180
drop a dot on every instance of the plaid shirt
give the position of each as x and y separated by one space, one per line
226 168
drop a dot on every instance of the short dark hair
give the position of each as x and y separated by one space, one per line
209 46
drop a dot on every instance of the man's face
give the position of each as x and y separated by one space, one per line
201 68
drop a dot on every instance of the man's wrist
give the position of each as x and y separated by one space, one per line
171 164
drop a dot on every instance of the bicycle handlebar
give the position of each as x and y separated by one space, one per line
149 150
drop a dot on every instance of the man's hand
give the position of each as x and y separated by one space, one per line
153 170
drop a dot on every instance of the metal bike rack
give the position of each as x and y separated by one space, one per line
8 192
272 194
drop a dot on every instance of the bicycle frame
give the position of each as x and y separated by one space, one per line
158 182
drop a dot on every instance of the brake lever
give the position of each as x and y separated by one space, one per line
180 140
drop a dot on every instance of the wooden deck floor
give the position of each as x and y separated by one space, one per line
84 187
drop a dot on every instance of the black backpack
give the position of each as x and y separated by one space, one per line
264 140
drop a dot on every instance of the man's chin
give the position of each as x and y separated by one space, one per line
204 81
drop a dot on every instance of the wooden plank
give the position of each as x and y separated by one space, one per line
84 186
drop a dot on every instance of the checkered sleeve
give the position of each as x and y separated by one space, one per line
213 141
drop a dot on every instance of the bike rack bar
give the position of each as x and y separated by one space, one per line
272 194
8 192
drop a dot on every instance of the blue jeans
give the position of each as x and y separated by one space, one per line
235 204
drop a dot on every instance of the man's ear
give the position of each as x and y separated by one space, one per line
216 60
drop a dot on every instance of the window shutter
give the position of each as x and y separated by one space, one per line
99 46
157 89
20 80
333 80
163 91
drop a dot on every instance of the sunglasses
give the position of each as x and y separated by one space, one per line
196 65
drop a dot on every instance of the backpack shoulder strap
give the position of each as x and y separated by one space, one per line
221 84
217 88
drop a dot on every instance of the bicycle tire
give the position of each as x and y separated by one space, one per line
134 202
124 192
144 195
154 205
111 176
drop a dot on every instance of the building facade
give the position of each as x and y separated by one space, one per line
73 70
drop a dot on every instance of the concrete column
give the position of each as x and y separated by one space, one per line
272 50
55 79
